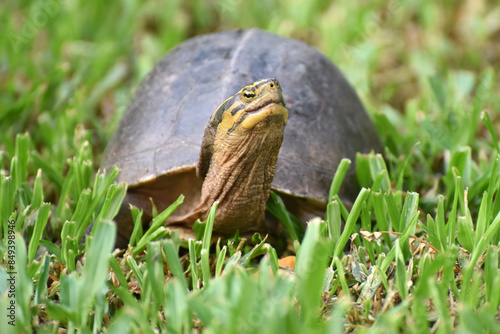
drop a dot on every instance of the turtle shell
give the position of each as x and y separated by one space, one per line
161 131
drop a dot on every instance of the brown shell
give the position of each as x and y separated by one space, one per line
162 129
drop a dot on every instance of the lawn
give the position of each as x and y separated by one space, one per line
424 231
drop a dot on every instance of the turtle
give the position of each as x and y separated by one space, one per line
164 141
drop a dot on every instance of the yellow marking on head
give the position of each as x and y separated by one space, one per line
251 105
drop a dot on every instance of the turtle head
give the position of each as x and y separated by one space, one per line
251 105
241 113
238 156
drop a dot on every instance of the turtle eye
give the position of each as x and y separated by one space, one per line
248 94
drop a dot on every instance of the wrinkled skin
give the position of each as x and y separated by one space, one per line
238 159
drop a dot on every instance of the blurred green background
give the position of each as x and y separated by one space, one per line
425 70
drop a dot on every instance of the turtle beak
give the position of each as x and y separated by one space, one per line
269 103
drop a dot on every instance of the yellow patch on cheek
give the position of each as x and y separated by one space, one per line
227 122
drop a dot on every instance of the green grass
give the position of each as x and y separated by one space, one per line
424 229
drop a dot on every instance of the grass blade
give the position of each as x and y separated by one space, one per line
340 174
351 221
20 167
172 259
310 269
40 223
333 221
277 208
207 235
95 269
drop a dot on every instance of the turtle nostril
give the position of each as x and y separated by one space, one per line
271 85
